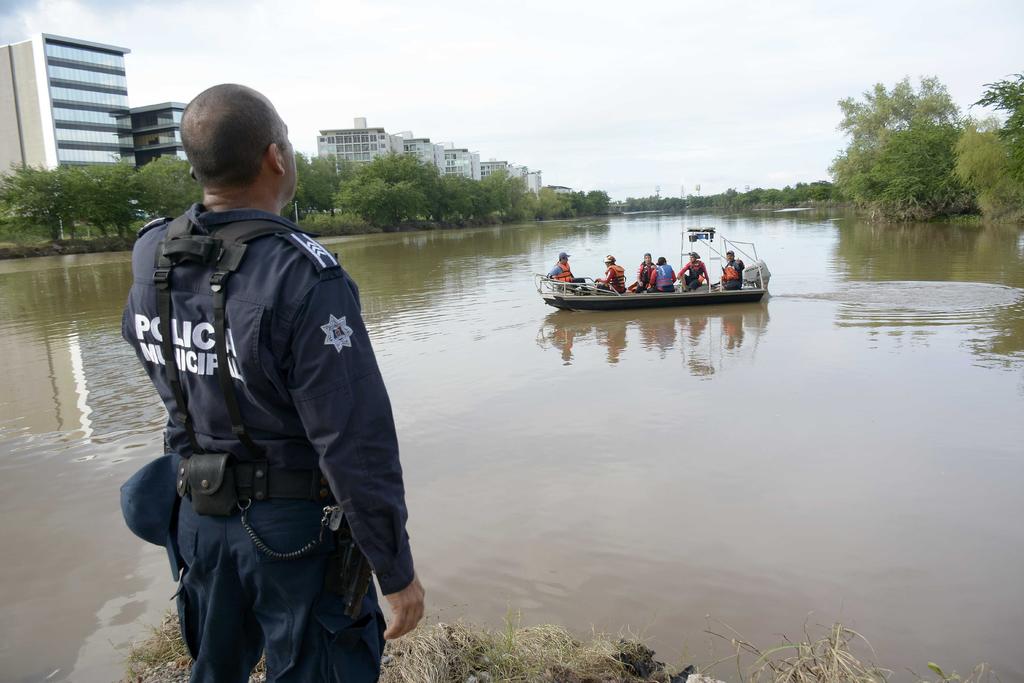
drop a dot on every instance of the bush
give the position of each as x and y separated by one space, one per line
337 224
14 231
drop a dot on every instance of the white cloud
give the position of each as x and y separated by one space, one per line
621 96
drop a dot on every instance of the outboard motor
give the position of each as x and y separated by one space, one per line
756 275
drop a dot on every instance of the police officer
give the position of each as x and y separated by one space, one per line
252 334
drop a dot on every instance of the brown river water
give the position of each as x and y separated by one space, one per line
851 449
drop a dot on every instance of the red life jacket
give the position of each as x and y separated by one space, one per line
565 275
616 276
729 273
698 271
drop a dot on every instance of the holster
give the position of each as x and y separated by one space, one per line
348 572
210 480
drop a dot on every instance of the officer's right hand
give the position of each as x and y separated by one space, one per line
406 609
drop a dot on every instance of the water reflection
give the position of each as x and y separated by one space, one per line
706 338
62 351
916 277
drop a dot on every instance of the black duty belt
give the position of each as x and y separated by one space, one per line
259 481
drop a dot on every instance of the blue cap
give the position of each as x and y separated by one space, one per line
149 503
562 255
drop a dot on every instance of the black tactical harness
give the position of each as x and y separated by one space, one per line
218 483
215 482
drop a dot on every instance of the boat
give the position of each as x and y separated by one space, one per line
588 296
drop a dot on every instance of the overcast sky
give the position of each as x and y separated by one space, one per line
622 96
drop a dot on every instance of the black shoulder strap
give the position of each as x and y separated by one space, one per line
224 250
233 238
162 280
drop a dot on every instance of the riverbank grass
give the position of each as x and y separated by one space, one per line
453 653
464 653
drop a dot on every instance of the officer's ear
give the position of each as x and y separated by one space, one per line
275 157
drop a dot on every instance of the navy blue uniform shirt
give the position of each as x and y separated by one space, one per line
310 392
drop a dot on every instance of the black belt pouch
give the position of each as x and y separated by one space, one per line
211 481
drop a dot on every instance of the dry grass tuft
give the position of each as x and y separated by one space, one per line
459 652
827 659
163 649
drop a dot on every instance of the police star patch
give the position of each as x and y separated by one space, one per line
338 333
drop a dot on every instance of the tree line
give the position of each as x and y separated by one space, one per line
911 155
820 192
98 200
331 197
398 189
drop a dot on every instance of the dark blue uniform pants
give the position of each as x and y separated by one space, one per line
234 602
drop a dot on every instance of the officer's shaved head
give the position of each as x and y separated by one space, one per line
225 131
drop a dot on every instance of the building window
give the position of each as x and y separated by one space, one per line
89 97
90 77
82 116
88 156
80 55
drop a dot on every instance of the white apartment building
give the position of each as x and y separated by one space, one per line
489 167
424 150
358 143
460 161
531 179
63 101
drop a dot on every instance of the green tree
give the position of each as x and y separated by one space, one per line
40 197
319 179
551 204
382 203
107 196
1008 96
882 127
915 177
597 202
461 199
390 190
984 163
165 187
503 195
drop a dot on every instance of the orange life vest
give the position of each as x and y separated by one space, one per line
565 275
616 276
730 273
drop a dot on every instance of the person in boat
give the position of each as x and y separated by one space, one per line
732 272
561 271
614 278
664 277
694 274
645 276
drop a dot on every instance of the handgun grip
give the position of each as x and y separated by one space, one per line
357 589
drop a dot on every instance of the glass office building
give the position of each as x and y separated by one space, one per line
66 101
156 131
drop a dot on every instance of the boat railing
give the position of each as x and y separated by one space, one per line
547 285
734 245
